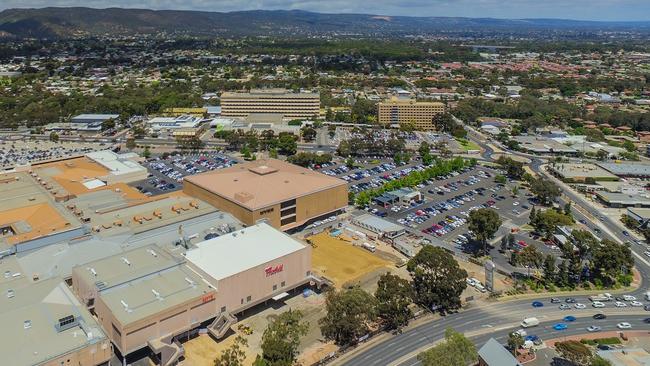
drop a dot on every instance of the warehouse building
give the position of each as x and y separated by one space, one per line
632 170
91 122
401 111
276 101
285 195
148 297
44 324
581 173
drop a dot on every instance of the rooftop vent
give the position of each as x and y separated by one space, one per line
92 270
126 306
188 280
152 252
125 260
27 324
156 294
11 293
67 322
262 170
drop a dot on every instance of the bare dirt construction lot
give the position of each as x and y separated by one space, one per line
340 261
202 350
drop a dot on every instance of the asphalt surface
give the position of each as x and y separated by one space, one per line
500 318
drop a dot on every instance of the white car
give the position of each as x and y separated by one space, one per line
580 306
597 304
521 332
471 282
593 328
629 298
619 304
624 325
636 303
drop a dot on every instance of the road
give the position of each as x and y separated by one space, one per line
500 318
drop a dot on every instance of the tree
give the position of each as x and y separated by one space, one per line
425 153
329 115
610 260
531 256
108 124
349 162
484 222
235 355
54 137
504 243
532 217
308 133
146 153
500 179
549 269
348 315
567 209
287 144
575 352
629 146
545 190
514 169
455 350
394 295
547 221
562 277
515 342
138 131
437 279
281 339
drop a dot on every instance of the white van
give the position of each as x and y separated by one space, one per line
529 322
647 295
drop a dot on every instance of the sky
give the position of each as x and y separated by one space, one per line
615 10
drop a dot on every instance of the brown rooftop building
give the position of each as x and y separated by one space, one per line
285 195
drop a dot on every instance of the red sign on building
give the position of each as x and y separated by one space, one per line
270 271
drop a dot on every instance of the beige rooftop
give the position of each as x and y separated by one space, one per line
263 183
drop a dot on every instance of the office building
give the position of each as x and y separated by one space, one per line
285 195
275 101
401 111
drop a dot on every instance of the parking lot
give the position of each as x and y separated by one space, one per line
446 203
166 174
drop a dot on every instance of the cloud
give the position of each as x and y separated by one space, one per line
567 9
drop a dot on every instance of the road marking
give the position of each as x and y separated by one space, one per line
639 257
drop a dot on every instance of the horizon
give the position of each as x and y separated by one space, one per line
578 10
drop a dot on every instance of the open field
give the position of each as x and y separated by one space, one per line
340 261
468 145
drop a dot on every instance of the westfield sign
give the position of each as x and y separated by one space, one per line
270 271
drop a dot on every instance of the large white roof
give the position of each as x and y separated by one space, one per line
229 254
114 162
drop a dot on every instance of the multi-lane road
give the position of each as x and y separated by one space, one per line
498 319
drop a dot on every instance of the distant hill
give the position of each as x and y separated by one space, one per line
75 22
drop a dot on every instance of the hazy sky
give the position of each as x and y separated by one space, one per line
566 9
